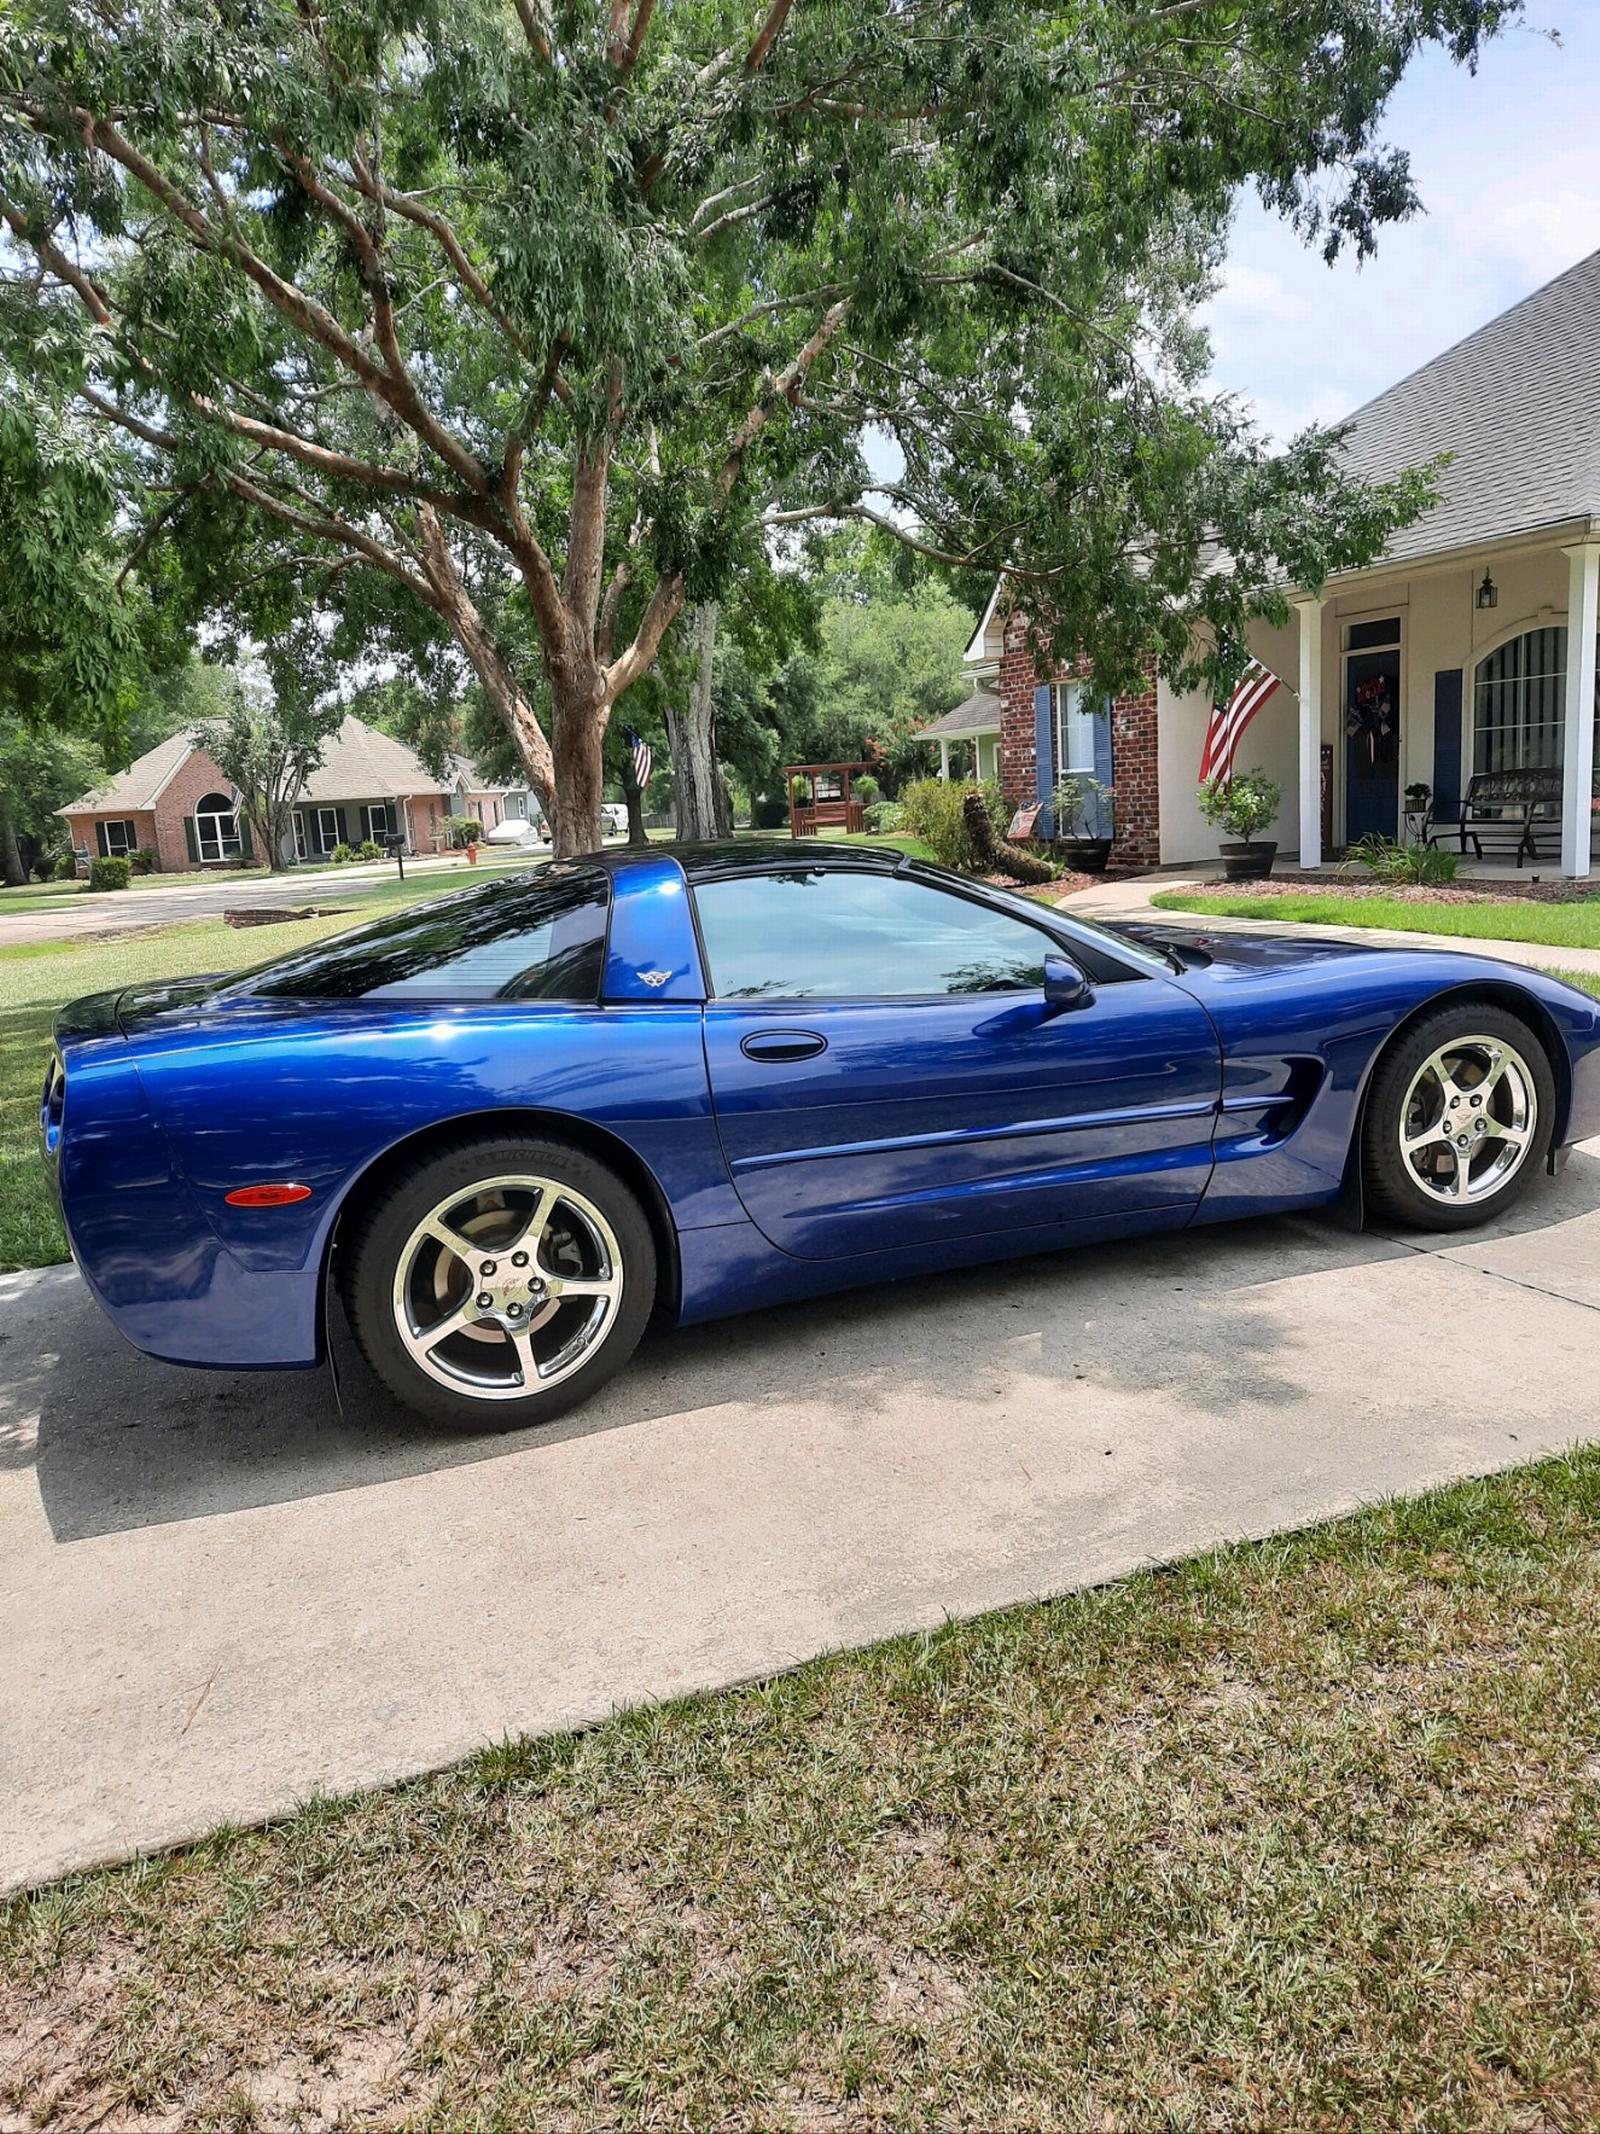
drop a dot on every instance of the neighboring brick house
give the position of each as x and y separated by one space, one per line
176 802
1048 728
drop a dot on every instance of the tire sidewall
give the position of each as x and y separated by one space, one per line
384 1230
1391 1190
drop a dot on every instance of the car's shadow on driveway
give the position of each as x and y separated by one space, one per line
119 1442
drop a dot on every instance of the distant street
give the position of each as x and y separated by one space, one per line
80 914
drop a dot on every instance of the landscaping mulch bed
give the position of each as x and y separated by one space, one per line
1064 885
1289 883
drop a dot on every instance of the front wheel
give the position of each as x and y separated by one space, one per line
1459 1119
501 1282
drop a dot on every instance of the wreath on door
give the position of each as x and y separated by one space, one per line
1369 721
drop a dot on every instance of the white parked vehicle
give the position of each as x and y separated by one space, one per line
518 830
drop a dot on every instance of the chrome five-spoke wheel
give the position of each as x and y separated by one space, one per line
1469 1119
508 1287
500 1279
1459 1117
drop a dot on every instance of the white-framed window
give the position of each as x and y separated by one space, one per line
116 839
1519 704
329 833
1075 728
377 819
302 848
216 828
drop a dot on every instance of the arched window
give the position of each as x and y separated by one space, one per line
216 828
1519 696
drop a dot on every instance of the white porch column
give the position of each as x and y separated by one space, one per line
1577 755
1308 614
944 760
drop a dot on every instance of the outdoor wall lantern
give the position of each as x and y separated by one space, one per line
1488 592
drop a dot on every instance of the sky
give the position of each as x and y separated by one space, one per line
1508 165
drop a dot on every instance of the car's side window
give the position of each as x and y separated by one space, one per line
819 935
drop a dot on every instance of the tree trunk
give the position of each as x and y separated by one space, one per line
578 727
699 805
11 866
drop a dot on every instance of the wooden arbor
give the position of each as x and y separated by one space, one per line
829 803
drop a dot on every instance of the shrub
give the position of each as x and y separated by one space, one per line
113 873
866 789
1073 805
768 814
342 854
369 849
463 829
46 869
1402 864
143 861
67 867
885 815
932 810
1241 805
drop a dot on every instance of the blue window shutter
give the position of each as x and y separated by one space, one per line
1104 761
1044 747
1447 744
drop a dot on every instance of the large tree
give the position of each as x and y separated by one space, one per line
545 313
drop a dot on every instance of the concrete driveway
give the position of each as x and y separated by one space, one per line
219 1593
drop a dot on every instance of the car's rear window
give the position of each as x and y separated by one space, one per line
536 937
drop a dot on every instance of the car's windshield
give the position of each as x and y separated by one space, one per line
538 936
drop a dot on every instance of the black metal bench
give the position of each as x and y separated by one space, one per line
1505 810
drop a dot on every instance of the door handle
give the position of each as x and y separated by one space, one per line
776 1045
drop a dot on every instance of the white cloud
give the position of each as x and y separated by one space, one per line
1504 161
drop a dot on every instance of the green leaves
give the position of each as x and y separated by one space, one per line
382 281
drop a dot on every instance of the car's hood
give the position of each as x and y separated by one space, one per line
1199 949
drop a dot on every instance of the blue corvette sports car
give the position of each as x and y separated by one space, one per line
508 1125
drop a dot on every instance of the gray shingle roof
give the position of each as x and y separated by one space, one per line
1517 403
980 714
358 763
137 786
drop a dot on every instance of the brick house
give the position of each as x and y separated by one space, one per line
176 802
1451 656
1050 728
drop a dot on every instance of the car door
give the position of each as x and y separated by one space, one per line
886 1071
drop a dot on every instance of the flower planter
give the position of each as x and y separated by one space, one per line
1085 855
1247 862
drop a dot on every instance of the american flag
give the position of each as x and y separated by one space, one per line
642 758
1228 721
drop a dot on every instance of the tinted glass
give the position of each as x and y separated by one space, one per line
536 937
824 936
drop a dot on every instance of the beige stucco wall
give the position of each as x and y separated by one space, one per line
1441 627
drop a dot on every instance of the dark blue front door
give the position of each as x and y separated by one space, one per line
1371 745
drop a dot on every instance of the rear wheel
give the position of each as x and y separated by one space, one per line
1459 1118
500 1282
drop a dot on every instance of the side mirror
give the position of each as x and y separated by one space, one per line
1065 986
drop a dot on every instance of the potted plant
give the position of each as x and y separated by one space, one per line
1240 806
1077 805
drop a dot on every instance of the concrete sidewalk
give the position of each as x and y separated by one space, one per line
220 1594
1112 900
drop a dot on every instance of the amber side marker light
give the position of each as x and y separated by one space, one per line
266 1196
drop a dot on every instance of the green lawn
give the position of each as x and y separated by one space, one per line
1303 1835
1513 919
37 977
